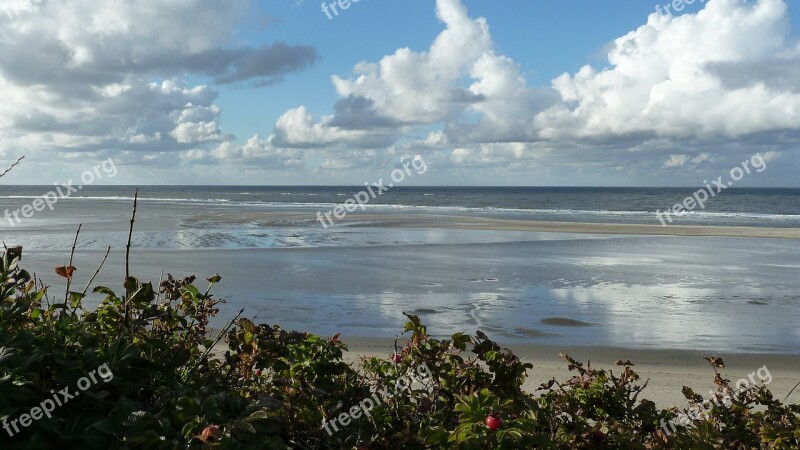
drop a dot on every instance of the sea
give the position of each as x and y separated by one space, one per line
778 207
721 294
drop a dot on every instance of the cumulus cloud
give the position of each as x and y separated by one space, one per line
681 160
714 83
693 91
681 77
402 89
88 76
84 43
296 129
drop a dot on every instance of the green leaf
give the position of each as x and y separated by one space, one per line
144 294
215 279
104 290
248 325
435 436
5 354
191 291
75 299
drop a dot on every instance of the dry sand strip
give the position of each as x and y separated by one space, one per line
668 370
473 223
399 220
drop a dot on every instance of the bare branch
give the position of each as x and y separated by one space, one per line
12 166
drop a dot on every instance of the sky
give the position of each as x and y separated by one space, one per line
518 92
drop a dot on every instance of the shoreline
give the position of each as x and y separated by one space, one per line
495 224
279 219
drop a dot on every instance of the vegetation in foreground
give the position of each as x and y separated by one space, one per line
275 389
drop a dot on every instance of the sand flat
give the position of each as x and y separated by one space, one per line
481 223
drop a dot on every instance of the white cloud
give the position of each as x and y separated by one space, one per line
410 87
676 161
110 76
404 88
675 82
672 78
296 128
692 91
197 124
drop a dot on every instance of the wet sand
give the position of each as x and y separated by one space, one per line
400 220
504 224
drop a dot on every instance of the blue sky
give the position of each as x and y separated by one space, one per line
547 38
489 93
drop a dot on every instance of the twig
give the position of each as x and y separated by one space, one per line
158 291
12 166
790 392
130 234
68 272
96 271
42 288
219 336
300 445
129 288
636 396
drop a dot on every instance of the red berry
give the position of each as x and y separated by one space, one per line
599 436
258 372
494 422
211 434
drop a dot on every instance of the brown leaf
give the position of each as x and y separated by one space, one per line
14 253
719 381
65 272
715 361
547 385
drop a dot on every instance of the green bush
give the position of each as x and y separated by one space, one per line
276 389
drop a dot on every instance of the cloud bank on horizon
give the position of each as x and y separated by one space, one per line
679 97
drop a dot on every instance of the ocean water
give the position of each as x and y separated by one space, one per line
732 207
710 293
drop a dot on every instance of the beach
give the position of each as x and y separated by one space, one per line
662 297
613 182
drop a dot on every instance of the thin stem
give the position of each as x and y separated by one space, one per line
130 234
12 166
219 336
791 392
128 287
68 271
96 271
158 291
